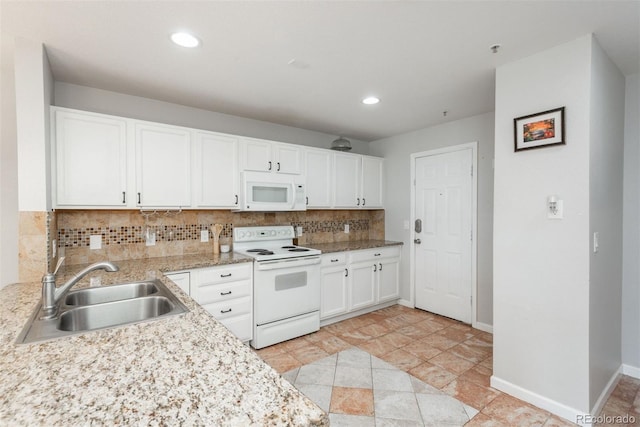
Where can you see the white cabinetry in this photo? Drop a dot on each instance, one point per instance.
(216, 173)
(358, 280)
(226, 293)
(163, 165)
(318, 167)
(182, 279)
(333, 284)
(357, 181)
(267, 156)
(90, 167)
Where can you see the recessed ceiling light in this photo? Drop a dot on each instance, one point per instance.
(370, 100)
(184, 39)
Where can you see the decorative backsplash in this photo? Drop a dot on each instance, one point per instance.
(178, 233)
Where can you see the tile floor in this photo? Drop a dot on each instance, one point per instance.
(442, 353)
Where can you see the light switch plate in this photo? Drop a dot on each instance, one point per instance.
(95, 241)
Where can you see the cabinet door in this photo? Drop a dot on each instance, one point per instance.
(91, 160)
(255, 155)
(346, 179)
(371, 182)
(163, 172)
(388, 279)
(362, 285)
(287, 158)
(333, 291)
(182, 279)
(318, 165)
(216, 170)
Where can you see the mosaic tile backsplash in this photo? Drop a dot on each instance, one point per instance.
(123, 232)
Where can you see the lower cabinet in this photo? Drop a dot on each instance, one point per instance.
(356, 280)
(226, 292)
(182, 279)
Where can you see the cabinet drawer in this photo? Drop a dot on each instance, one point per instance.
(368, 254)
(240, 326)
(228, 273)
(335, 258)
(226, 309)
(208, 294)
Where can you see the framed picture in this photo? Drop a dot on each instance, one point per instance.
(539, 130)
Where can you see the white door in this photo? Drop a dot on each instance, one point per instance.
(388, 279)
(333, 291)
(346, 181)
(288, 159)
(318, 172)
(443, 246)
(255, 155)
(371, 182)
(362, 280)
(216, 170)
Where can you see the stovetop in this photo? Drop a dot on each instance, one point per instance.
(268, 243)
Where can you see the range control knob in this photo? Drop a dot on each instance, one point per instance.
(273, 233)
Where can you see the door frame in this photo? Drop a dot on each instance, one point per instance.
(474, 221)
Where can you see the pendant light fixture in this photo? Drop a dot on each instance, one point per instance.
(341, 144)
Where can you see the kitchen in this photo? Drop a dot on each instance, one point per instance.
(81, 97)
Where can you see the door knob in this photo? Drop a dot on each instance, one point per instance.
(417, 241)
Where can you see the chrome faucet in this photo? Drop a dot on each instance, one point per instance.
(51, 295)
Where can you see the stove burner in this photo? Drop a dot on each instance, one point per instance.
(298, 250)
(288, 247)
(257, 250)
(265, 253)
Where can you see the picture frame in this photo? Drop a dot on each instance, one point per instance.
(539, 130)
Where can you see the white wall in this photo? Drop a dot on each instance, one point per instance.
(34, 94)
(102, 101)
(606, 142)
(541, 266)
(631, 227)
(8, 167)
(397, 150)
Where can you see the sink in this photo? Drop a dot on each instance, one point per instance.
(103, 307)
(102, 294)
(117, 313)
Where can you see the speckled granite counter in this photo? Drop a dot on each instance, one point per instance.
(352, 245)
(181, 370)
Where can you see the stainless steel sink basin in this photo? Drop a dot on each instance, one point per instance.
(110, 314)
(102, 294)
(103, 307)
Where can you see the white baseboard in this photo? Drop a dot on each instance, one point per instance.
(483, 327)
(545, 403)
(632, 371)
(608, 389)
(406, 303)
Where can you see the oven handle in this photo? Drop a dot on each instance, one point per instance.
(287, 263)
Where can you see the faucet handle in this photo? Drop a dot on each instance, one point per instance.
(58, 265)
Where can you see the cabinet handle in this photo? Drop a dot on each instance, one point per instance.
(225, 275)
(375, 268)
(334, 260)
(380, 267)
(225, 293)
(363, 201)
(278, 167)
(346, 272)
(376, 254)
(358, 201)
(139, 202)
(225, 311)
(307, 199)
(236, 199)
(269, 165)
(124, 197)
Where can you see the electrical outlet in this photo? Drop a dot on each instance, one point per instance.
(204, 235)
(299, 230)
(95, 241)
(54, 248)
(346, 228)
(150, 238)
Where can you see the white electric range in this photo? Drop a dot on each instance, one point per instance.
(286, 283)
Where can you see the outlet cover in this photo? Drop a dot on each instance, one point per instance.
(95, 241)
(346, 228)
(204, 235)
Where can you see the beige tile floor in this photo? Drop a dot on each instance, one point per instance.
(442, 353)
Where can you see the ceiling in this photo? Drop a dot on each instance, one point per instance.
(419, 58)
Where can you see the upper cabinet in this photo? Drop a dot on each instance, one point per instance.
(90, 167)
(357, 181)
(215, 167)
(163, 166)
(318, 167)
(267, 156)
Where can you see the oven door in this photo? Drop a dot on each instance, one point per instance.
(286, 288)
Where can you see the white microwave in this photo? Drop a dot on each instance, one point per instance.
(269, 192)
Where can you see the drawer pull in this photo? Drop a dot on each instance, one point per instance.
(335, 260)
(229, 292)
(375, 268)
(346, 272)
(225, 311)
(380, 266)
(376, 254)
(225, 275)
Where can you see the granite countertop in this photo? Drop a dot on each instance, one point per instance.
(352, 245)
(186, 369)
